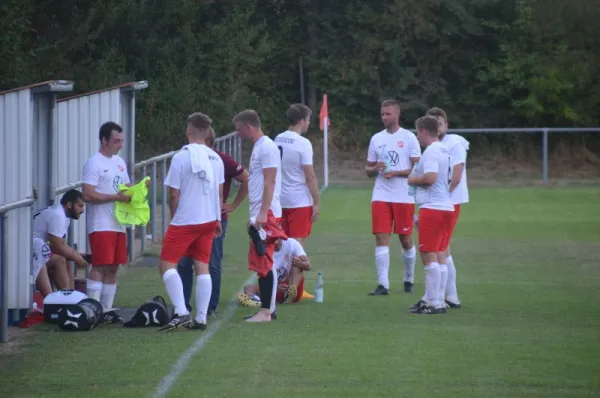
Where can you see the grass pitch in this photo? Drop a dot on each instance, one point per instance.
(527, 264)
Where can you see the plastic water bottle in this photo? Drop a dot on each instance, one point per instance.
(319, 288)
(412, 189)
(386, 159)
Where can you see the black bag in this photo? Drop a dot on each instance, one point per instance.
(153, 312)
(83, 316)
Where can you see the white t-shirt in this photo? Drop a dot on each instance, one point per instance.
(282, 259)
(105, 174)
(51, 221)
(437, 195)
(265, 154)
(458, 147)
(398, 148)
(295, 151)
(198, 199)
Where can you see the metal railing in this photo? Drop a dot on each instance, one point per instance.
(545, 132)
(4, 210)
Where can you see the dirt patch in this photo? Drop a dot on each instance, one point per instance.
(17, 337)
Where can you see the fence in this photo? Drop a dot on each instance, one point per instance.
(545, 134)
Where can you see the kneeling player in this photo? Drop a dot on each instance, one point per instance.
(290, 261)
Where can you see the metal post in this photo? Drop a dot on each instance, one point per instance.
(163, 197)
(545, 156)
(239, 144)
(71, 243)
(143, 231)
(153, 203)
(301, 68)
(4, 284)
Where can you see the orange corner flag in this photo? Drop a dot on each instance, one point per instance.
(324, 113)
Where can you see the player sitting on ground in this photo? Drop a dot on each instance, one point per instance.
(290, 261)
(50, 227)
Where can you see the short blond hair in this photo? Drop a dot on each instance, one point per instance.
(248, 116)
(199, 122)
(437, 112)
(429, 124)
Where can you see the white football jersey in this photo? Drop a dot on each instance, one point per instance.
(457, 147)
(397, 148)
(296, 151)
(282, 259)
(265, 154)
(436, 196)
(51, 221)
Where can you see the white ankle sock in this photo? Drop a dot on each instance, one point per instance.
(174, 288)
(203, 292)
(409, 258)
(382, 261)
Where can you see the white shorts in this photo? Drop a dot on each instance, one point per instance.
(41, 255)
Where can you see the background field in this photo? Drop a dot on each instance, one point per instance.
(528, 273)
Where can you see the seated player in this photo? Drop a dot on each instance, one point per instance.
(50, 227)
(290, 261)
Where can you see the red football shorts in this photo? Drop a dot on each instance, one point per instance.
(263, 264)
(108, 248)
(282, 288)
(450, 231)
(433, 226)
(193, 241)
(297, 222)
(386, 214)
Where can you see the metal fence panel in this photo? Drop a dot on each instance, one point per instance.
(78, 123)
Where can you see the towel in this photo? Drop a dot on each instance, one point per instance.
(200, 162)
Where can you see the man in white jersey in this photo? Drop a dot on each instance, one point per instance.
(432, 180)
(102, 175)
(290, 261)
(50, 227)
(392, 154)
(195, 183)
(264, 186)
(299, 185)
(459, 193)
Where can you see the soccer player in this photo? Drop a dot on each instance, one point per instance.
(265, 209)
(232, 171)
(102, 175)
(195, 183)
(392, 154)
(290, 261)
(299, 185)
(50, 227)
(432, 180)
(459, 193)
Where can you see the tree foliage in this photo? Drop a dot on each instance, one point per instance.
(487, 62)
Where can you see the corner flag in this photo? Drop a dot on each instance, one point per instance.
(324, 113)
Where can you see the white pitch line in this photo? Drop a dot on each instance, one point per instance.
(182, 363)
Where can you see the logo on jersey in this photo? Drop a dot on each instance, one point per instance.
(281, 274)
(116, 182)
(46, 252)
(394, 157)
(400, 144)
(121, 169)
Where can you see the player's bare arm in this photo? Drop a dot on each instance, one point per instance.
(90, 195)
(313, 188)
(457, 171)
(173, 200)
(424, 180)
(60, 248)
(269, 175)
(242, 192)
(301, 262)
(373, 168)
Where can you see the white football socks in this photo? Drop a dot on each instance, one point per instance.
(432, 284)
(443, 280)
(451, 293)
(203, 292)
(409, 257)
(174, 288)
(107, 296)
(94, 289)
(382, 262)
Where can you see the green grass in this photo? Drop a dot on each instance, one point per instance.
(528, 273)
